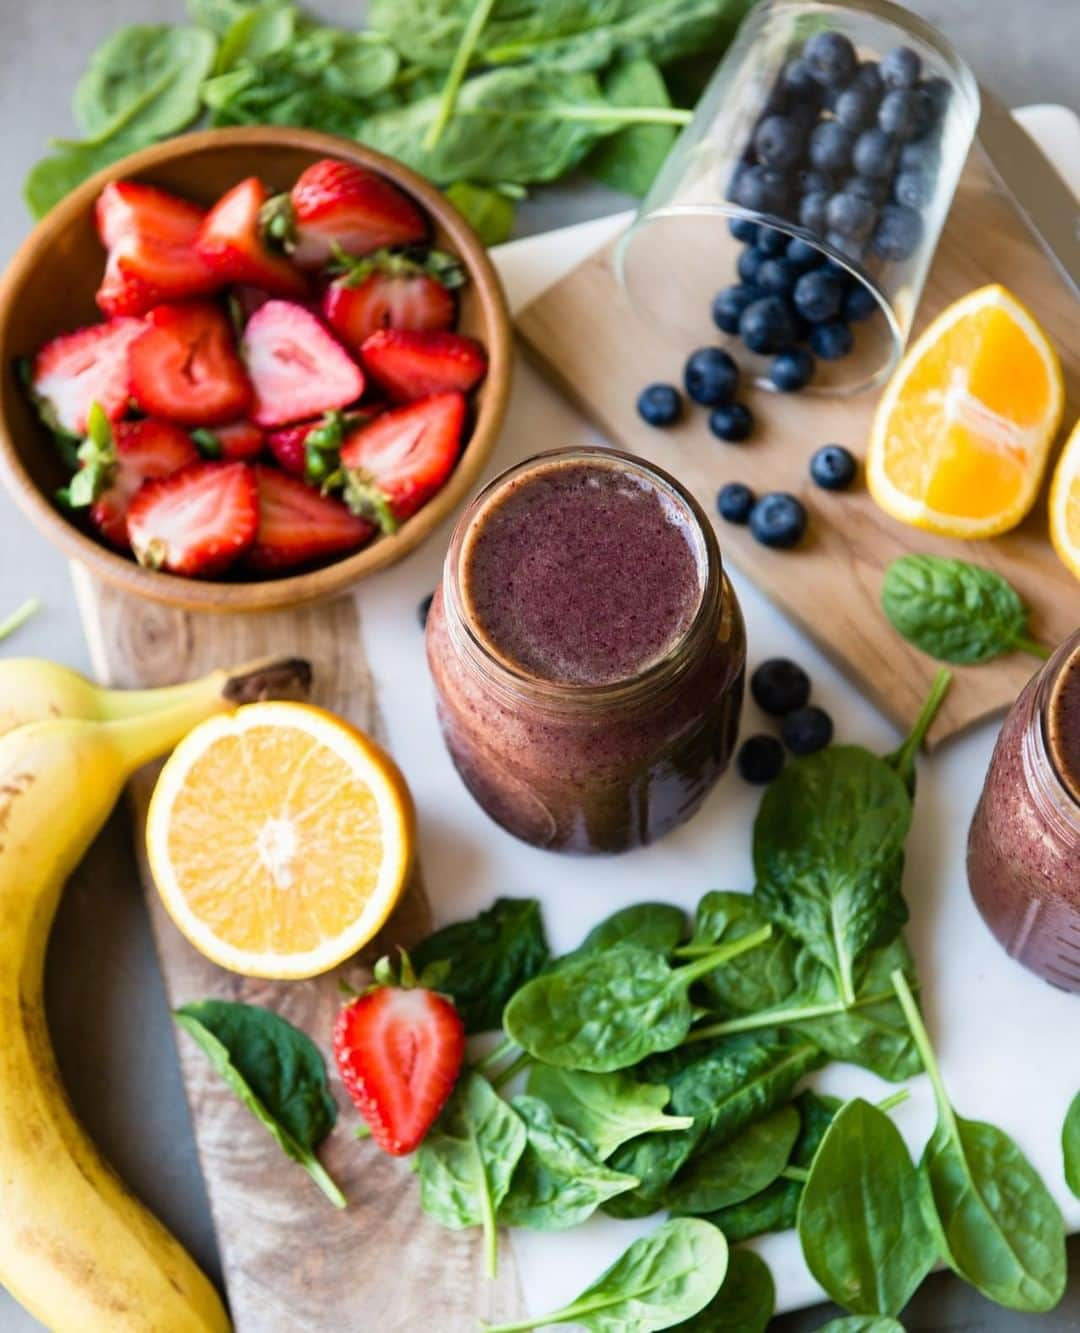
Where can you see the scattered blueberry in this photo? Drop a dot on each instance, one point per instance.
(659, 404)
(711, 376)
(777, 276)
(768, 325)
(812, 210)
(818, 294)
(850, 247)
(904, 113)
(780, 686)
(830, 146)
(748, 264)
(734, 502)
(874, 190)
(804, 255)
(728, 305)
(860, 302)
(423, 608)
(831, 341)
(833, 467)
(850, 216)
(763, 190)
(913, 189)
(760, 760)
(779, 141)
(743, 230)
(732, 422)
(797, 80)
(868, 76)
(855, 108)
(830, 57)
(874, 154)
(770, 241)
(900, 67)
(792, 370)
(807, 730)
(898, 233)
(778, 520)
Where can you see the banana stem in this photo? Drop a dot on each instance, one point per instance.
(265, 678)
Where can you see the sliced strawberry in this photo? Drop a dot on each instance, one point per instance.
(231, 242)
(412, 365)
(236, 441)
(142, 272)
(287, 446)
(337, 203)
(127, 208)
(195, 521)
(184, 366)
(399, 1050)
(84, 367)
(297, 368)
(388, 290)
(298, 525)
(397, 462)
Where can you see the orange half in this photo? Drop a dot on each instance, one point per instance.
(963, 431)
(280, 839)
(1065, 504)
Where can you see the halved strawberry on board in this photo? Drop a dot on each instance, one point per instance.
(397, 462)
(298, 525)
(77, 369)
(399, 1049)
(196, 521)
(231, 241)
(410, 365)
(184, 366)
(391, 290)
(298, 369)
(340, 204)
(235, 441)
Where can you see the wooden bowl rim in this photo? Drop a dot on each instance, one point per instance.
(193, 594)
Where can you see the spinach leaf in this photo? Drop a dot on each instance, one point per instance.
(955, 611)
(630, 160)
(610, 1010)
(604, 1109)
(256, 33)
(862, 1323)
(902, 759)
(275, 1070)
(1070, 1145)
(490, 956)
(467, 1161)
(488, 211)
(218, 15)
(828, 856)
(559, 1181)
(860, 1218)
(994, 1221)
(55, 176)
(661, 1278)
(149, 73)
(735, 1169)
(655, 926)
(744, 1304)
(757, 980)
(776, 1207)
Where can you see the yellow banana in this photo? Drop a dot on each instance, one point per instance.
(76, 1248)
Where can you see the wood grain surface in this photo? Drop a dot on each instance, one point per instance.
(291, 1260)
(586, 335)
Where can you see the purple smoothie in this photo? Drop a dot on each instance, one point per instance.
(587, 652)
(1024, 844)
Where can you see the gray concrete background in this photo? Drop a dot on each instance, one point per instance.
(106, 1004)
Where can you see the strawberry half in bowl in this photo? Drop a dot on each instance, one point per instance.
(244, 368)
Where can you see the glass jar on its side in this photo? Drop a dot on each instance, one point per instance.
(579, 766)
(1024, 845)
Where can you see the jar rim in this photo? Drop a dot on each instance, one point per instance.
(1044, 749)
(517, 680)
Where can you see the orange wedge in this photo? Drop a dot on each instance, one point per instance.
(280, 839)
(963, 431)
(1065, 504)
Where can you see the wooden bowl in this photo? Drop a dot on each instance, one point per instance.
(49, 289)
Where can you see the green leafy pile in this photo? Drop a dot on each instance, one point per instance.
(484, 97)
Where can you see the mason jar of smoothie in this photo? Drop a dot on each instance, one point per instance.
(588, 652)
(1024, 846)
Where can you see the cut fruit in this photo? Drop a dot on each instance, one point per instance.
(962, 434)
(1065, 504)
(280, 839)
(297, 368)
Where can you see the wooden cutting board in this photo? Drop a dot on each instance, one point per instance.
(587, 336)
(291, 1260)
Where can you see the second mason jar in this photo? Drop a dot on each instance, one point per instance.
(588, 652)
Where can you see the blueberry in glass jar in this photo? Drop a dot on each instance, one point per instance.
(768, 325)
(900, 67)
(743, 230)
(937, 91)
(856, 108)
(777, 276)
(833, 467)
(734, 502)
(874, 154)
(748, 263)
(799, 83)
(770, 241)
(659, 404)
(779, 142)
(850, 215)
(710, 376)
(731, 422)
(831, 146)
(728, 305)
(873, 189)
(898, 233)
(831, 341)
(913, 189)
(803, 255)
(850, 247)
(812, 181)
(763, 190)
(859, 303)
(792, 370)
(868, 76)
(819, 294)
(778, 520)
(830, 58)
(812, 211)
(904, 113)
